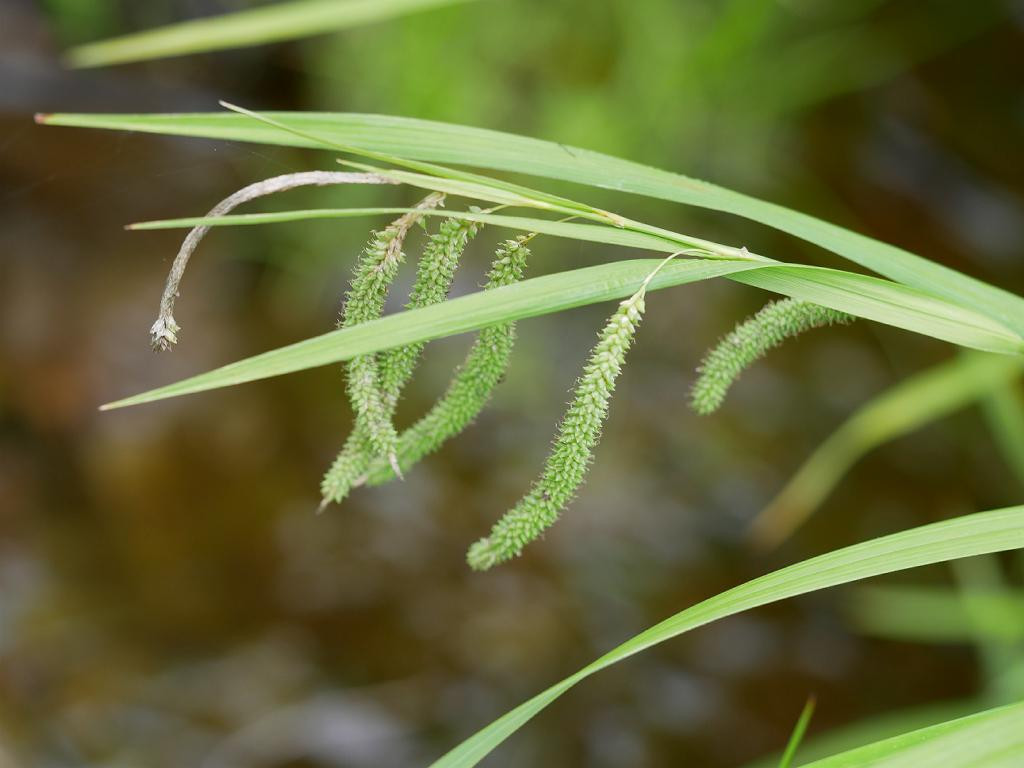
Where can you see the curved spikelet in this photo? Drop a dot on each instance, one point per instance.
(573, 449)
(474, 381)
(433, 281)
(751, 339)
(374, 273)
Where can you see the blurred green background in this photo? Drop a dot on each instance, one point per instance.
(168, 596)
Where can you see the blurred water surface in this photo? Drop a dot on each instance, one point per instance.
(169, 596)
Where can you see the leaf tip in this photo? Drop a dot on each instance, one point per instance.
(116, 405)
(74, 60)
(235, 108)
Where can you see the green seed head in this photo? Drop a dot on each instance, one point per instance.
(474, 381)
(344, 473)
(375, 271)
(578, 434)
(751, 339)
(434, 276)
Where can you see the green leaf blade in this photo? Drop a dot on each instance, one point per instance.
(899, 410)
(255, 26)
(445, 143)
(786, 761)
(967, 536)
(990, 739)
(887, 302)
(568, 229)
(529, 298)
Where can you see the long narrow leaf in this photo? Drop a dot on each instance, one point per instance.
(911, 404)
(281, 21)
(976, 534)
(990, 739)
(529, 298)
(858, 294)
(797, 737)
(937, 614)
(878, 727)
(1004, 412)
(440, 178)
(441, 142)
(573, 230)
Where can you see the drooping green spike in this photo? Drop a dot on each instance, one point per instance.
(751, 340)
(474, 381)
(573, 449)
(434, 277)
(374, 273)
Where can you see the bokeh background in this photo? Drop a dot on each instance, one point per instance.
(168, 596)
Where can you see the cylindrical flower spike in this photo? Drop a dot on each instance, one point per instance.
(751, 339)
(434, 277)
(474, 381)
(573, 449)
(374, 272)
(433, 281)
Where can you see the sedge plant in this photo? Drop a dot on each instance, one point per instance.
(906, 291)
